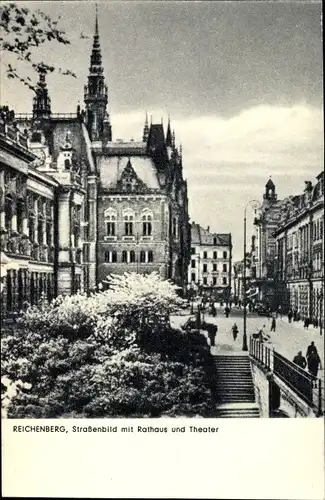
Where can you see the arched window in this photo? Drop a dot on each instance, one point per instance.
(8, 213)
(20, 215)
(111, 256)
(142, 256)
(147, 223)
(110, 220)
(132, 256)
(67, 164)
(150, 256)
(124, 256)
(128, 216)
(174, 227)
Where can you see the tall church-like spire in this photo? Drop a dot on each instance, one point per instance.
(96, 94)
(146, 129)
(169, 139)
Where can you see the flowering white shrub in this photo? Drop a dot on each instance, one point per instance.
(112, 353)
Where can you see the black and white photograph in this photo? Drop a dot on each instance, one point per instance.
(162, 238)
(162, 200)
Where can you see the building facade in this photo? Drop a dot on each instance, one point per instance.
(262, 255)
(299, 252)
(210, 270)
(114, 206)
(28, 220)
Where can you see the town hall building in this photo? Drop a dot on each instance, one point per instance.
(87, 205)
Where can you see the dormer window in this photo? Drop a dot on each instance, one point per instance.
(129, 184)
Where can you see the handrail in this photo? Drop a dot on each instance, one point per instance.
(294, 376)
(307, 387)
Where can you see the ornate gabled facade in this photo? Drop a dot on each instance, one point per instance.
(211, 262)
(118, 206)
(299, 252)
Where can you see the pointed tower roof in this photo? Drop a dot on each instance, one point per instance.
(146, 129)
(270, 184)
(169, 140)
(96, 55)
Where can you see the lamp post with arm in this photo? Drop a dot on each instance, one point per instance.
(256, 204)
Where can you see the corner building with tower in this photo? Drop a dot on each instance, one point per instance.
(115, 206)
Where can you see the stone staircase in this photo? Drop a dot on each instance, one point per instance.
(238, 410)
(235, 386)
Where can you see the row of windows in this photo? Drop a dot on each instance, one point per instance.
(318, 228)
(205, 267)
(206, 255)
(129, 256)
(205, 280)
(129, 228)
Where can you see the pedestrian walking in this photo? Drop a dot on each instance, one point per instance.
(306, 323)
(300, 360)
(273, 325)
(280, 311)
(235, 331)
(289, 316)
(227, 311)
(313, 359)
(212, 333)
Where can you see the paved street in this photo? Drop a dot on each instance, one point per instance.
(288, 339)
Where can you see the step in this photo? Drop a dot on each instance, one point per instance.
(236, 398)
(235, 390)
(242, 385)
(224, 398)
(253, 411)
(238, 415)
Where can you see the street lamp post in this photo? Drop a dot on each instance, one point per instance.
(245, 347)
(321, 298)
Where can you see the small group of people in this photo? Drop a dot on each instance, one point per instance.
(312, 360)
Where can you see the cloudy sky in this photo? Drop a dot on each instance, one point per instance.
(242, 82)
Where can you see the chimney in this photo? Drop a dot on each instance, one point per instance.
(208, 228)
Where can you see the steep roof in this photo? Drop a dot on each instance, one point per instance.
(201, 236)
(270, 184)
(156, 135)
(112, 167)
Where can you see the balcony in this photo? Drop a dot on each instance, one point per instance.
(13, 134)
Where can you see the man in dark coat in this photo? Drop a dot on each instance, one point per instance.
(212, 333)
(313, 359)
(300, 360)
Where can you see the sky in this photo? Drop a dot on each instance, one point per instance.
(242, 82)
